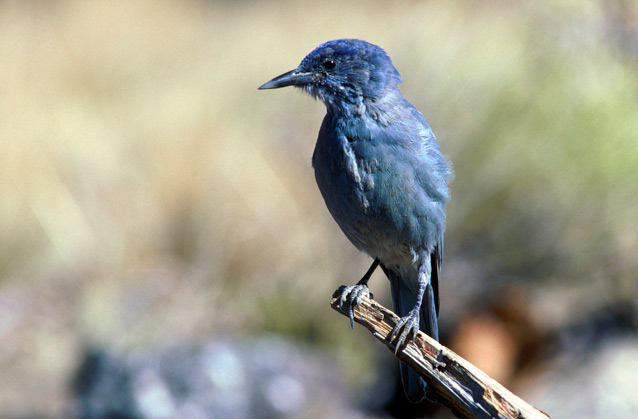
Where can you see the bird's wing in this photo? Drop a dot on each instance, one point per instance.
(433, 175)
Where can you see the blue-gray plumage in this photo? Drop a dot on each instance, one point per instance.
(383, 178)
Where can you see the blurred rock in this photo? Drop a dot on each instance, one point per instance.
(259, 378)
(593, 371)
(601, 385)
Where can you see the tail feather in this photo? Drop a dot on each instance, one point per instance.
(403, 300)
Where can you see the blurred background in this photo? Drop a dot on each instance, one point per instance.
(164, 250)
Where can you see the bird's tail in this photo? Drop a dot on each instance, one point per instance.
(403, 300)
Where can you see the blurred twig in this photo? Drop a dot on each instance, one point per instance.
(456, 383)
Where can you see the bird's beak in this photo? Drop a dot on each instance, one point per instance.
(291, 78)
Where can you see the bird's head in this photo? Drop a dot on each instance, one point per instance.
(342, 71)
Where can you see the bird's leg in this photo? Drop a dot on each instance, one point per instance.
(354, 293)
(409, 325)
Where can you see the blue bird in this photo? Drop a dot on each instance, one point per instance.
(383, 178)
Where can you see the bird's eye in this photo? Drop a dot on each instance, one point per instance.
(328, 64)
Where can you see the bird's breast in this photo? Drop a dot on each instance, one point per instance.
(343, 176)
(348, 174)
(376, 187)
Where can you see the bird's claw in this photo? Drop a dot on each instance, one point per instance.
(353, 295)
(408, 325)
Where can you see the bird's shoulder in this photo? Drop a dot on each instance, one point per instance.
(391, 135)
(402, 146)
(394, 128)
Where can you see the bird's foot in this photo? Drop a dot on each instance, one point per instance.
(408, 325)
(353, 295)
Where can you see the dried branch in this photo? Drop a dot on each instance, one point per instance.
(456, 383)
